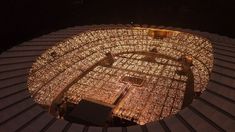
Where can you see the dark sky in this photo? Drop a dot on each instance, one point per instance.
(26, 19)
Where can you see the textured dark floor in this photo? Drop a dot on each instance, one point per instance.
(213, 111)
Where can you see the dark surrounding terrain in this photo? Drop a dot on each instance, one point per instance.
(23, 20)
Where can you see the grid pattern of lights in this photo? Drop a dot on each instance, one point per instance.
(72, 68)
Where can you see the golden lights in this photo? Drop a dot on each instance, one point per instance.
(144, 66)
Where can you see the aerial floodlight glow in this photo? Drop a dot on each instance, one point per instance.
(137, 74)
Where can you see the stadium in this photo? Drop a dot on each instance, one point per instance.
(119, 77)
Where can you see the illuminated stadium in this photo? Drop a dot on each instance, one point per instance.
(142, 74)
(121, 78)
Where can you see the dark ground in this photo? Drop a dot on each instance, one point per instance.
(23, 20)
